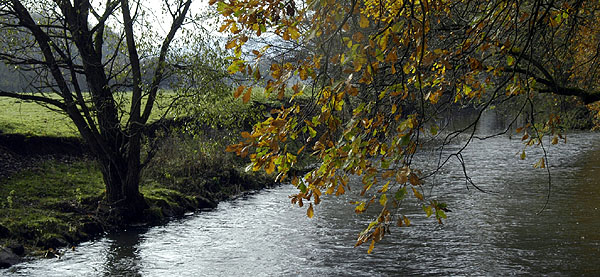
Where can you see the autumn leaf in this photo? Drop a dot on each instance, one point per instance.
(364, 22)
(247, 95)
(270, 167)
(378, 76)
(414, 179)
(360, 208)
(417, 194)
(239, 91)
(371, 247)
(310, 212)
(383, 200)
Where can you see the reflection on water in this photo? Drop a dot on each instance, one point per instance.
(496, 233)
(122, 255)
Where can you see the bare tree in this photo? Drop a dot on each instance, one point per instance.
(81, 45)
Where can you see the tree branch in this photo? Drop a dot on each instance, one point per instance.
(29, 97)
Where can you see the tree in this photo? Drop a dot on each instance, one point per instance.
(382, 74)
(103, 48)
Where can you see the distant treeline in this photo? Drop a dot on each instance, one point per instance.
(12, 80)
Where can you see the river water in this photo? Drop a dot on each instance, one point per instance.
(495, 233)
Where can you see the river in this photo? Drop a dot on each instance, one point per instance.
(495, 233)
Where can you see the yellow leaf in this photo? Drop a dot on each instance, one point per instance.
(385, 187)
(270, 167)
(418, 195)
(555, 140)
(383, 199)
(406, 221)
(294, 33)
(310, 212)
(371, 247)
(360, 208)
(364, 21)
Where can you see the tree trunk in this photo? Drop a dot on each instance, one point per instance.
(121, 172)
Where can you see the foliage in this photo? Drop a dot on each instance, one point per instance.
(384, 75)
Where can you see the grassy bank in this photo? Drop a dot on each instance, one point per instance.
(52, 199)
(54, 202)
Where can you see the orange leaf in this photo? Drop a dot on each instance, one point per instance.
(340, 190)
(371, 247)
(232, 43)
(414, 180)
(239, 91)
(246, 135)
(310, 212)
(247, 95)
(278, 122)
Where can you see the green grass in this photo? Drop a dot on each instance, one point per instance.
(53, 182)
(29, 118)
(20, 117)
(37, 205)
(56, 200)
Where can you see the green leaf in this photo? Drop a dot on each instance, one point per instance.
(405, 140)
(440, 214)
(400, 194)
(434, 129)
(312, 132)
(302, 188)
(385, 164)
(510, 60)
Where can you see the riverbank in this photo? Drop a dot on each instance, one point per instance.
(49, 199)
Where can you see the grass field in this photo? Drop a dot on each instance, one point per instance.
(29, 118)
(20, 117)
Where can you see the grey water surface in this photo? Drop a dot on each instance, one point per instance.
(499, 232)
